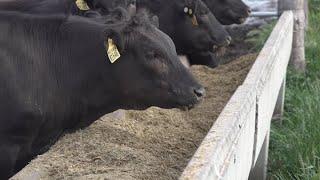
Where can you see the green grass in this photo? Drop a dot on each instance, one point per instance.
(295, 145)
(258, 37)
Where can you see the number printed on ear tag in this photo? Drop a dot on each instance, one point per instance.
(113, 52)
(82, 5)
(194, 20)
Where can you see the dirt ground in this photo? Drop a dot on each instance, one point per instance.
(151, 144)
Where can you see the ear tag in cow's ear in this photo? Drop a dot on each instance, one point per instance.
(194, 20)
(190, 12)
(113, 52)
(82, 5)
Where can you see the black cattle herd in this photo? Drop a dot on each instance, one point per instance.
(65, 63)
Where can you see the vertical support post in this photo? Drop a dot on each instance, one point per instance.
(259, 171)
(306, 13)
(278, 111)
(298, 52)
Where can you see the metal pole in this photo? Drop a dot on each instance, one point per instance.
(264, 14)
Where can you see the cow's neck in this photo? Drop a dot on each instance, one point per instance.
(71, 56)
(89, 59)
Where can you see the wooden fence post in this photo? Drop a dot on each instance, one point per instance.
(279, 109)
(306, 13)
(298, 51)
(259, 172)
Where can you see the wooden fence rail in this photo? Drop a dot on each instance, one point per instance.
(236, 147)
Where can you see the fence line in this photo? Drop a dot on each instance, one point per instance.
(237, 144)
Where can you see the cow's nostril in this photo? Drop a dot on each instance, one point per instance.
(200, 92)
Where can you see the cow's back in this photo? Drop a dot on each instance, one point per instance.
(38, 6)
(42, 66)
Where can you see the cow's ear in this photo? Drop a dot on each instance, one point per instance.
(132, 7)
(116, 37)
(113, 44)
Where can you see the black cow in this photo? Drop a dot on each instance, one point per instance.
(46, 7)
(191, 25)
(88, 8)
(55, 75)
(96, 9)
(194, 40)
(229, 11)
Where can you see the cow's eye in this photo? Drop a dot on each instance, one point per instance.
(152, 55)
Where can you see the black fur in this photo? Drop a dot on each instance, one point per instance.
(55, 76)
(229, 11)
(190, 40)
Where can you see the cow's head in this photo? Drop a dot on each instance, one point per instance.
(229, 11)
(189, 23)
(148, 73)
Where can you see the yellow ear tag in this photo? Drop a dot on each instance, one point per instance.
(194, 20)
(82, 5)
(190, 12)
(113, 52)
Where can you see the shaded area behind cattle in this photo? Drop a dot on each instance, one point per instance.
(246, 38)
(151, 144)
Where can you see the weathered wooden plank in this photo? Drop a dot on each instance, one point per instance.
(227, 150)
(259, 171)
(279, 109)
(268, 73)
(226, 153)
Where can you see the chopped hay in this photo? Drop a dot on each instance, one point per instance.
(150, 144)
